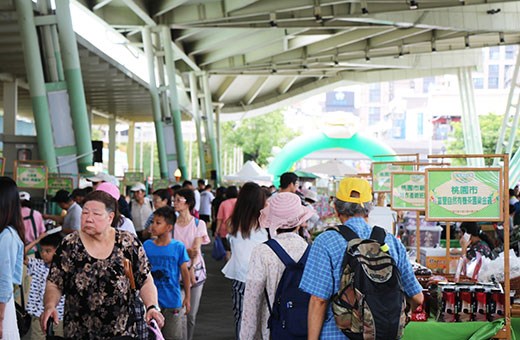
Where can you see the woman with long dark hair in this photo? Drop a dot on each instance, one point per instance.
(245, 234)
(11, 261)
(192, 233)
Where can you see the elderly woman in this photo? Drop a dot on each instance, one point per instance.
(11, 258)
(478, 242)
(284, 215)
(89, 268)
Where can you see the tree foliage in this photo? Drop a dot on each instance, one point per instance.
(257, 136)
(490, 125)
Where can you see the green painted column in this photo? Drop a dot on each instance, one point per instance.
(166, 40)
(130, 146)
(72, 72)
(194, 93)
(156, 104)
(211, 126)
(34, 69)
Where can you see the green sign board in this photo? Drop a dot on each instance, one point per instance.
(160, 183)
(31, 176)
(408, 190)
(2, 165)
(55, 183)
(464, 194)
(131, 178)
(381, 174)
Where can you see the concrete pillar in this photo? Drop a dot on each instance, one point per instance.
(211, 127)
(72, 72)
(112, 145)
(156, 104)
(196, 117)
(171, 73)
(36, 81)
(130, 147)
(10, 107)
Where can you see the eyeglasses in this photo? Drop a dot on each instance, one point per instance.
(180, 199)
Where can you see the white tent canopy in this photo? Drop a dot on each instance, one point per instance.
(333, 168)
(250, 172)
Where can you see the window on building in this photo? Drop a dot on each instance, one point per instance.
(426, 84)
(493, 77)
(508, 74)
(420, 123)
(510, 51)
(494, 53)
(374, 94)
(478, 83)
(374, 115)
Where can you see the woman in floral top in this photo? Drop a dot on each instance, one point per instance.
(88, 268)
(477, 243)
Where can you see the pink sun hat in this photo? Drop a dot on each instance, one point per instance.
(110, 189)
(284, 211)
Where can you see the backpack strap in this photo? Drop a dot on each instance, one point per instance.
(33, 223)
(378, 234)
(280, 252)
(347, 233)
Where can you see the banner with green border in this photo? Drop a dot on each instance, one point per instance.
(407, 190)
(464, 194)
(55, 183)
(130, 178)
(160, 183)
(32, 176)
(381, 174)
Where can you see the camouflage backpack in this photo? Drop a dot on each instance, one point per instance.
(370, 302)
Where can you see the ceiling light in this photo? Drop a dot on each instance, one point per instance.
(414, 4)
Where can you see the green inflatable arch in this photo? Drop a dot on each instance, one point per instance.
(304, 145)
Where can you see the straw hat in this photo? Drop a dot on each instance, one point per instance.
(284, 211)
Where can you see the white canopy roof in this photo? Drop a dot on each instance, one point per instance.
(250, 172)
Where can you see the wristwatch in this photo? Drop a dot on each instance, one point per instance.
(153, 307)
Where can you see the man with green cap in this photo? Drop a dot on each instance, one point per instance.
(322, 274)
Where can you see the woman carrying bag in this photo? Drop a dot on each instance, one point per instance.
(11, 260)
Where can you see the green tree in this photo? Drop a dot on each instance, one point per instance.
(257, 136)
(490, 125)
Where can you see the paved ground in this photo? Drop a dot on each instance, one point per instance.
(215, 319)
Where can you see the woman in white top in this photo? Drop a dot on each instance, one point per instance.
(284, 215)
(192, 233)
(244, 234)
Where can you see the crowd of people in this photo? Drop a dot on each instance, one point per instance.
(108, 274)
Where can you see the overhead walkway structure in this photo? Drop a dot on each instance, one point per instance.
(229, 60)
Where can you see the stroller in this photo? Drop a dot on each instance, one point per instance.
(153, 334)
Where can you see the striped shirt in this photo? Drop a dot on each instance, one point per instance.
(321, 276)
(38, 271)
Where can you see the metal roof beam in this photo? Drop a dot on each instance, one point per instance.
(255, 90)
(223, 89)
(242, 46)
(286, 85)
(165, 6)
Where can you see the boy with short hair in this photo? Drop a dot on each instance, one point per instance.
(168, 257)
(38, 269)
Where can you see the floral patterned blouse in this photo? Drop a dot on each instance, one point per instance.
(98, 295)
(265, 271)
(481, 247)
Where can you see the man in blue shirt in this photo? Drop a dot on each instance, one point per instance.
(321, 277)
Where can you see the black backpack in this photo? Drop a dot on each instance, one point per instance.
(288, 315)
(370, 302)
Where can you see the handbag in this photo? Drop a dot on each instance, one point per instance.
(218, 253)
(23, 319)
(137, 313)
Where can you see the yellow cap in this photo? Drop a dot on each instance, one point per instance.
(350, 184)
